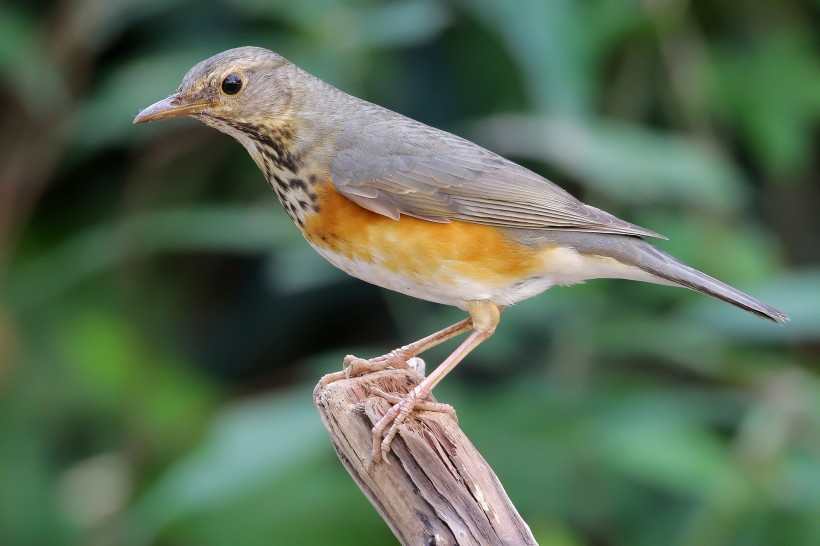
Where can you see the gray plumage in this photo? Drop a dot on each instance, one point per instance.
(395, 166)
(437, 176)
(644, 256)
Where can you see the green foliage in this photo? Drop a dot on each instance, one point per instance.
(162, 323)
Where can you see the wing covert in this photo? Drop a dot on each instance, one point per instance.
(437, 176)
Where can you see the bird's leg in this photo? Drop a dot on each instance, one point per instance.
(484, 316)
(354, 367)
(398, 357)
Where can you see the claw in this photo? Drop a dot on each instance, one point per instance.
(359, 366)
(415, 400)
(483, 319)
(327, 379)
(354, 366)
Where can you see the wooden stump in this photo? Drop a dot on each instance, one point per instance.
(438, 490)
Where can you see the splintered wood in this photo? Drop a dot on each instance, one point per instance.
(437, 489)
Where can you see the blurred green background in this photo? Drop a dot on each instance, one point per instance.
(162, 323)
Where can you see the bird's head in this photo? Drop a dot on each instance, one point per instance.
(246, 85)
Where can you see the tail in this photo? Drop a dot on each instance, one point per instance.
(651, 264)
(660, 264)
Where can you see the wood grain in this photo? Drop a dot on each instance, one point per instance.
(437, 489)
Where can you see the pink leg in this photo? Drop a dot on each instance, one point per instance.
(401, 355)
(484, 316)
(397, 358)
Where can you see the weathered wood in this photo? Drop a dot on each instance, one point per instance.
(438, 490)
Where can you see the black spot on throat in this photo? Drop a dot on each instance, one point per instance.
(298, 183)
(270, 142)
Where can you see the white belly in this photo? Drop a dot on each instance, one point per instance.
(561, 266)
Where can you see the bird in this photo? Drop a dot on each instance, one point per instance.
(417, 210)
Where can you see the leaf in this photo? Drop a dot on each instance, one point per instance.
(403, 23)
(548, 42)
(772, 91)
(24, 62)
(251, 444)
(397, 23)
(669, 454)
(234, 229)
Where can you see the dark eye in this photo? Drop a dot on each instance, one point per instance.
(232, 84)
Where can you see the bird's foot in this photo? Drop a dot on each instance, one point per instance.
(354, 366)
(415, 400)
(397, 359)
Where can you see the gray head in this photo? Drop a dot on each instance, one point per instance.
(246, 85)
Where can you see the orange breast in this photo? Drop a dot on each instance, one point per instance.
(422, 251)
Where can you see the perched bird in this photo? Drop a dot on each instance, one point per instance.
(417, 210)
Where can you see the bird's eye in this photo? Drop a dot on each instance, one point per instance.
(232, 84)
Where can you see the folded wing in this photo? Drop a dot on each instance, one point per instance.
(437, 176)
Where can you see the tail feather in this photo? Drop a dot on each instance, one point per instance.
(661, 264)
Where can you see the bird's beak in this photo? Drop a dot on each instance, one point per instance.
(173, 107)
